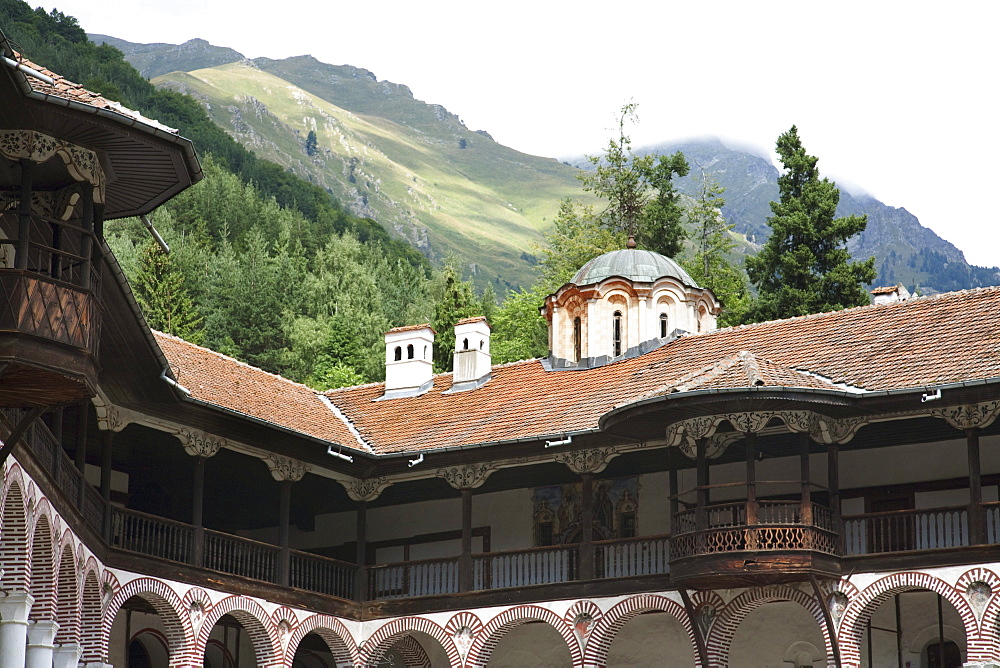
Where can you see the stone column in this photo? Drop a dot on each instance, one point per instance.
(40, 645)
(14, 610)
(66, 656)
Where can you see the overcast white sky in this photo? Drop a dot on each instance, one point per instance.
(898, 99)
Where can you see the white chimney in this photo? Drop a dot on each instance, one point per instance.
(472, 354)
(409, 359)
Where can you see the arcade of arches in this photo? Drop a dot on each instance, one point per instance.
(62, 607)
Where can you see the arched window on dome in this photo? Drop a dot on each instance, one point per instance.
(663, 325)
(617, 335)
(577, 340)
(409, 351)
(398, 354)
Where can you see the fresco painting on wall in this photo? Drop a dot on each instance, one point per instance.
(558, 510)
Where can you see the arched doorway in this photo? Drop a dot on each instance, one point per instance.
(229, 645)
(781, 633)
(914, 626)
(138, 636)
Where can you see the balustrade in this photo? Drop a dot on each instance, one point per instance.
(629, 557)
(321, 574)
(521, 568)
(150, 535)
(905, 530)
(413, 578)
(241, 556)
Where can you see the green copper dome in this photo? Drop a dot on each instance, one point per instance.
(638, 266)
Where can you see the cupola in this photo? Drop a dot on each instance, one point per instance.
(472, 361)
(622, 304)
(409, 359)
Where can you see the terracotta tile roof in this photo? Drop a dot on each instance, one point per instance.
(928, 341)
(469, 321)
(884, 290)
(411, 328)
(68, 90)
(223, 381)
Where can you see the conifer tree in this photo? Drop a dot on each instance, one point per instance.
(455, 300)
(639, 190)
(163, 297)
(804, 265)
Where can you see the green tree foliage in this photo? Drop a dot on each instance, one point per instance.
(454, 300)
(713, 245)
(60, 44)
(519, 330)
(578, 235)
(639, 190)
(803, 268)
(311, 143)
(165, 300)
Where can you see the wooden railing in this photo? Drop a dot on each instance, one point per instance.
(241, 556)
(321, 574)
(150, 535)
(522, 568)
(629, 557)
(413, 578)
(991, 511)
(48, 452)
(779, 526)
(49, 309)
(906, 530)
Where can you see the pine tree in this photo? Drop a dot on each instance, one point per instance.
(713, 241)
(163, 297)
(639, 190)
(803, 268)
(455, 300)
(311, 143)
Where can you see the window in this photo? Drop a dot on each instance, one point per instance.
(409, 351)
(663, 325)
(399, 353)
(616, 333)
(465, 344)
(577, 340)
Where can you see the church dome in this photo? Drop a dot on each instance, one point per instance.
(638, 266)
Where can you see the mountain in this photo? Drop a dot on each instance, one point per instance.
(455, 193)
(905, 251)
(412, 166)
(152, 60)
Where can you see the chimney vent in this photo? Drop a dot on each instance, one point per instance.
(472, 361)
(409, 355)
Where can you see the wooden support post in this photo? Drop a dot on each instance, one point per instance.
(57, 432)
(465, 579)
(361, 581)
(81, 449)
(827, 619)
(55, 260)
(833, 485)
(674, 491)
(107, 441)
(899, 635)
(197, 512)
(587, 533)
(977, 521)
(284, 513)
(24, 216)
(87, 241)
(701, 483)
(751, 441)
(806, 509)
(699, 637)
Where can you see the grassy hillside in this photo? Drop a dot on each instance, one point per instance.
(413, 167)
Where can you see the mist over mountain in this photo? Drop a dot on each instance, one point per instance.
(454, 193)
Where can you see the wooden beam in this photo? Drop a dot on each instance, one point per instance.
(830, 628)
(699, 639)
(18, 431)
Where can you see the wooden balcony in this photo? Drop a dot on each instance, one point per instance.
(49, 336)
(750, 544)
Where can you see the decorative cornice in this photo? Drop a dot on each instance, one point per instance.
(367, 489)
(471, 476)
(594, 460)
(285, 468)
(716, 445)
(969, 416)
(199, 444)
